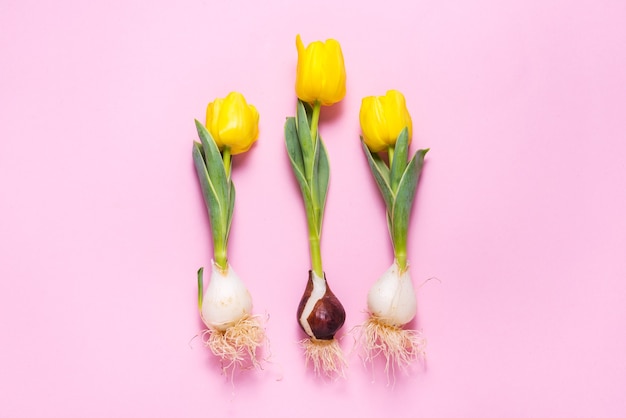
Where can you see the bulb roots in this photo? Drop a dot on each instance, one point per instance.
(237, 345)
(326, 356)
(398, 346)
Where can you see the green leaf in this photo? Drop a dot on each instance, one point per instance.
(381, 174)
(214, 162)
(200, 288)
(383, 169)
(323, 172)
(400, 158)
(309, 111)
(231, 207)
(306, 142)
(295, 157)
(320, 181)
(404, 200)
(293, 144)
(211, 197)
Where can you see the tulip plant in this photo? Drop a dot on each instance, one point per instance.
(320, 81)
(387, 127)
(232, 334)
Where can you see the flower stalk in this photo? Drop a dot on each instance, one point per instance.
(397, 184)
(309, 162)
(386, 126)
(218, 191)
(315, 119)
(320, 81)
(232, 334)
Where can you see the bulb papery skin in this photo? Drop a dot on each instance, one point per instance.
(226, 299)
(320, 314)
(392, 298)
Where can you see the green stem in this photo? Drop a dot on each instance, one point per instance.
(219, 255)
(313, 222)
(315, 118)
(401, 258)
(316, 253)
(399, 241)
(313, 211)
(390, 151)
(227, 157)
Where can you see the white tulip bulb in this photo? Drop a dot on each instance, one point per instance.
(226, 299)
(392, 298)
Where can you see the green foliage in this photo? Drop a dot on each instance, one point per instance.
(217, 189)
(200, 288)
(397, 185)
(309, 161)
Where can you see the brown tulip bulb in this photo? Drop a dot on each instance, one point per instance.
(320, 314)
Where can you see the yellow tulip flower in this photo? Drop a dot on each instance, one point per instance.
(320, 74)
(233, 123)
(383, 118)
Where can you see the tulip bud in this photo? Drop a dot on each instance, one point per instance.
(383, 118)
(233, 123)
(321, 74)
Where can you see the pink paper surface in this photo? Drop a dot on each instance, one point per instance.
(519, 216)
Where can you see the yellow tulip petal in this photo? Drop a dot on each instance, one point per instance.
(399, 108)
(383, 118)
(299, 45)
(320, 72)
(393, 104)
(233, 123)
(213, 110)
(369, 117)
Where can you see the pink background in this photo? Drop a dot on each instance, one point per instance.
(520, 213)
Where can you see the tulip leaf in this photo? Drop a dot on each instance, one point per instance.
(306, 142)
(381, 175)
(200, 288)
(231, 207)
(211, 197)
(400, 158)
(296, 158)
(382, 167)
(323, 172)
(320, 178)
(293, 144)
(407, 186)
(216, 188)
(309, 111)
(214, 162)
